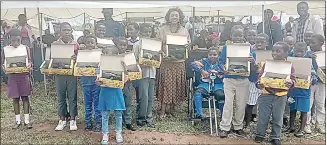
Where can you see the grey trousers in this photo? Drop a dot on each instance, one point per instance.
(270, 105)
(146, 95)
(128, 96)
(66, 86)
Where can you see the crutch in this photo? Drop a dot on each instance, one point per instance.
(211, 96)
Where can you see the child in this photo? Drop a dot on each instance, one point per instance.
(251, 35)
(300, 96)
(307, 37)
(272, 101)
(91, 91)
(19, 85)
(100, 30)
(121, 43)
(261, 43)
(290, 41)
(318, 89)
(132, 33)
(145, 85)
(206, 66)
(111, 99)
(234, 87)
(66, 85)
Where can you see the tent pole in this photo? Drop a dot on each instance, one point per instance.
(218, 16)
(42, 50)
(126, 17)
(193, 25)
(25, 13)
(84, 17)
(263, 18)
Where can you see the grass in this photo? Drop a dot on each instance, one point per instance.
(44, 118)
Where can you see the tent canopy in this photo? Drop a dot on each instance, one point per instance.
(69, 9)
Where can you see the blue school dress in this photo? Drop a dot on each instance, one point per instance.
(111, 99)
(301, 96)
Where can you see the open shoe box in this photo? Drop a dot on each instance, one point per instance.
(276, 73)
(104, 42)
(321, 62)
(262, 56)
(15, 55)
(112, 64)
(302, 68)
(133, 69)
(87, 58)
(237, 54)
(177, 44)
(153, 47)
(61, 53)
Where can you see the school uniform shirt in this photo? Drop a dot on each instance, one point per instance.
(147, 72)
(204, 64)
(131, 42)
(273, 91)
(222, 62)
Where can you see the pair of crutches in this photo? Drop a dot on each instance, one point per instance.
(211, 96)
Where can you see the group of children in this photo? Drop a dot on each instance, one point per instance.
(249, 92)
(246, 91)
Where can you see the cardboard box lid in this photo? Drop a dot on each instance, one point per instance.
(62, 50)
(321, 58)
(301, 65)
(151, 44)
(112, 62)
(176, 40)
(238, 50)
(130, 59)
(47, 53)
(89, 55)
(105, 41)
(11, 51)
(278, 67)
(263, 55)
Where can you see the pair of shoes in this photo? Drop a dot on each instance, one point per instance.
(276, 142)
(223, 134)
(62, 124)
(258, 139)
(240, 132)
(130, 127)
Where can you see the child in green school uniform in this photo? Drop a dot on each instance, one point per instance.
(66, 85)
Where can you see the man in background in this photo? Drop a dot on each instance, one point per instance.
(113, 28)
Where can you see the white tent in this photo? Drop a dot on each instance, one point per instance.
(69, 9)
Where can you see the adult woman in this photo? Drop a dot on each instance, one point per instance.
(172, 78)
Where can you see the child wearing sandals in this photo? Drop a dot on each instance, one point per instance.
(19, 85)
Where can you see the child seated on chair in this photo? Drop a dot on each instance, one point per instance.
(207, 67)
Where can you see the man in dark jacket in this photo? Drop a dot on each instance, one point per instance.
(272, 28)
(288, 26)
(113, 28)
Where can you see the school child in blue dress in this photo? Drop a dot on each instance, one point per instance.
(111, 99)
(300, 98)
(19, 84)
(206, 66)
(122, 43)
(91, 91)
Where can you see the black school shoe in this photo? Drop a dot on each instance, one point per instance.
(276, 142)
(130, 127)
(258, 139)
(140, 124)
(223, 134)
(240, 132)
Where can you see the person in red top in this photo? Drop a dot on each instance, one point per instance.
(66, 85)
(272, 101)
